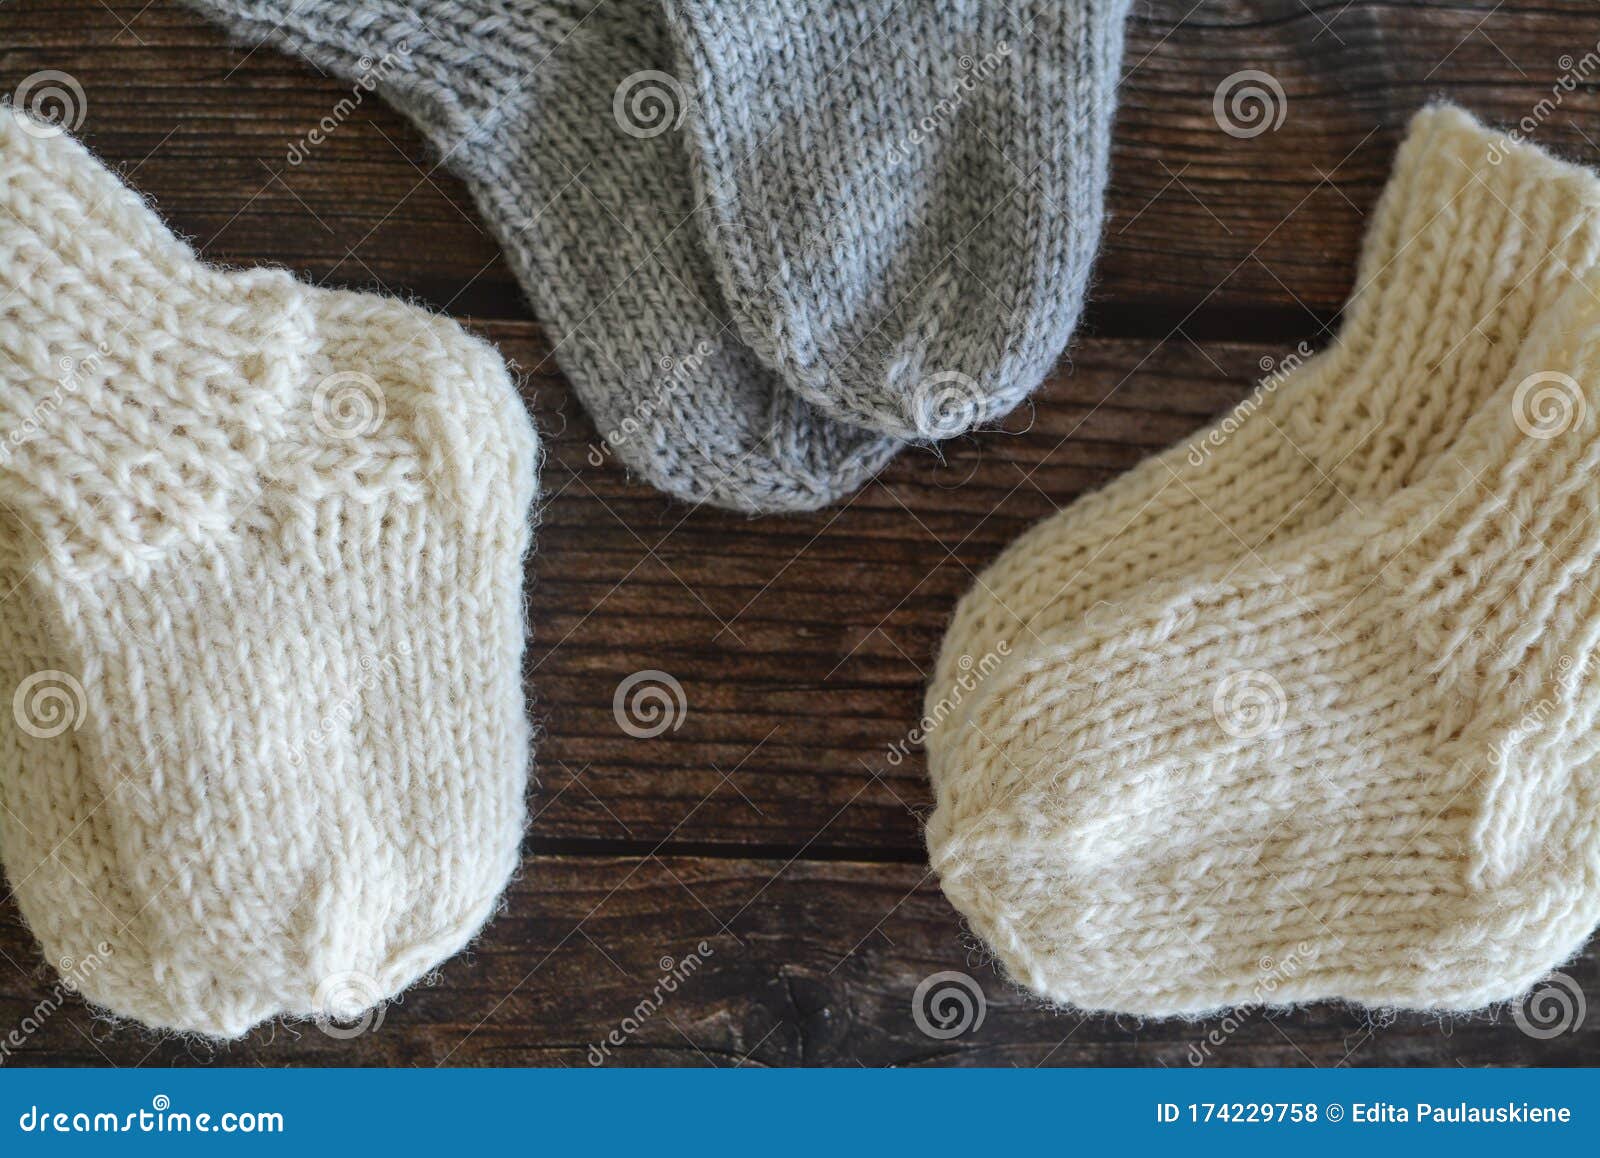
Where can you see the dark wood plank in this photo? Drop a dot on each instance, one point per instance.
(801, 643)
(802, 964)
(1259, 231)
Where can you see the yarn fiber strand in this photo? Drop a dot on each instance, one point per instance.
(902, 201)
(548, 112)
(263, 549)
(1471, 242)
(1351, 758)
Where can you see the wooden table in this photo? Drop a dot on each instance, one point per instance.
(772, 825)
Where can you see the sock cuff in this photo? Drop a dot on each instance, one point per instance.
(1471, 222)
(1475, 238)
(141, 390)
(1498, 575)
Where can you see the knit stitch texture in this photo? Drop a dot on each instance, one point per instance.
(1463, 253)
(769, 244)
(593, 207)
(262, 546)
(1333, 737)
(902, 201)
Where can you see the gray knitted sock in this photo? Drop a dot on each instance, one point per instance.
(903, 200)
(546, 110)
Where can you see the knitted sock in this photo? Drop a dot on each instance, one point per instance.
(905, 225)
(1471, 242)
(261, 556)
(558, 118)
(1362, 767)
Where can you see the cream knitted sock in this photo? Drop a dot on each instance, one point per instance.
(560, 118)
(905, 225)
(1471, 242)
(1364, 766)
(262, 629)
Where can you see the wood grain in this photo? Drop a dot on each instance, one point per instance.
(1263, 228)
(772, 823)
(803, 963)
(802, 643)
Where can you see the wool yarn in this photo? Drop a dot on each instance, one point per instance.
(760, 310)
(262, 551)
(549, 113)
(1472, 240)
(902, 201)
(1359, 761)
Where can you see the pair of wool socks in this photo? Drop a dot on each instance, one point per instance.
(261, 618)
(1305, 708)
(771, 242)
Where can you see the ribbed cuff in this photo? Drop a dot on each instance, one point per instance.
(139, 388)
(1472, 230)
